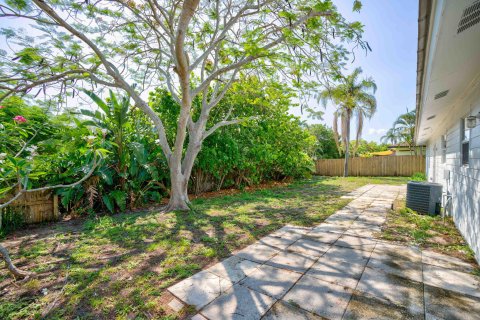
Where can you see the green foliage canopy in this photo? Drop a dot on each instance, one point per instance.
(270, 144)
(325, 147)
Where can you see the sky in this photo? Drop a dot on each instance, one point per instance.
(391, 30)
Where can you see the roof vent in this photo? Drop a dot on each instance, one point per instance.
(441, 94)
(470, 17)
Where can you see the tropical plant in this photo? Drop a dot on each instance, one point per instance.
(32, 139)
(354, 98)
(131, 176)
(112, 117)
(403, 131)
(196, 49)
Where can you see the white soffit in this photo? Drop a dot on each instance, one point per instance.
(452, 65)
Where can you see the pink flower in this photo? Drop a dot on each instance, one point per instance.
(1, 107)
(19, 119)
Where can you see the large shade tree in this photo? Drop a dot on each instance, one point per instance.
(353, 98)
(196, 49)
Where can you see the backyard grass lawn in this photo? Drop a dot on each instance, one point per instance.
(119, 266)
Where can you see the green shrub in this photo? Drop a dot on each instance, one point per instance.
(267, 144)
(418, 176)
(11, 219)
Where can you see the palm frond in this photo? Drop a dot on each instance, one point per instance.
(352, 96)
(99, 102)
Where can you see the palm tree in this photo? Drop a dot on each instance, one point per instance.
(390, 136)
(403, 131)
(354, 98)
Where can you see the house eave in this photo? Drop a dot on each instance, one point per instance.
(424, 12)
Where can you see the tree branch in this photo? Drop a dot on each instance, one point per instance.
(221, 124)
(17, 273)
(114, 73)
(248, 59)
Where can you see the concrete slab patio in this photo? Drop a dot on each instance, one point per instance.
(336, 270)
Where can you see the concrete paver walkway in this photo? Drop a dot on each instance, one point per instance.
(336, 270)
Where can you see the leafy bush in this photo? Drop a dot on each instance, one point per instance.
(418, 176)
(365, 148)
(325, 147)
(268, 144)
(10, 219)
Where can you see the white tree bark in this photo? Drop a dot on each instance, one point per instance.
(17, 273)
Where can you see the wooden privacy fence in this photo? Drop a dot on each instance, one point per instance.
(376, 166)
(34, 207)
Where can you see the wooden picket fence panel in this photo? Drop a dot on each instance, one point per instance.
(35, 207)
(403, 166)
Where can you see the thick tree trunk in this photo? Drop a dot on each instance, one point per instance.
(180, 171)
(17, 273)
(347, 145)
(178, 191)
(180, 175)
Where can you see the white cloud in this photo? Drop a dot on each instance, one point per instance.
(376, 132)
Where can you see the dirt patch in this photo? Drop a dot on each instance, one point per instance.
(233, 191)
(446, 304)
(427, 232)
(362, 306)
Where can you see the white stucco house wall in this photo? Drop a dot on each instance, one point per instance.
(448, 92)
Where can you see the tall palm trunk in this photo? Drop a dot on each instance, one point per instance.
(336, 135)
(347, 142)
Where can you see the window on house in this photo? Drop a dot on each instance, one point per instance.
(465, 140)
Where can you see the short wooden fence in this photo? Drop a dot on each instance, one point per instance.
(35, 207)
(375, 166)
